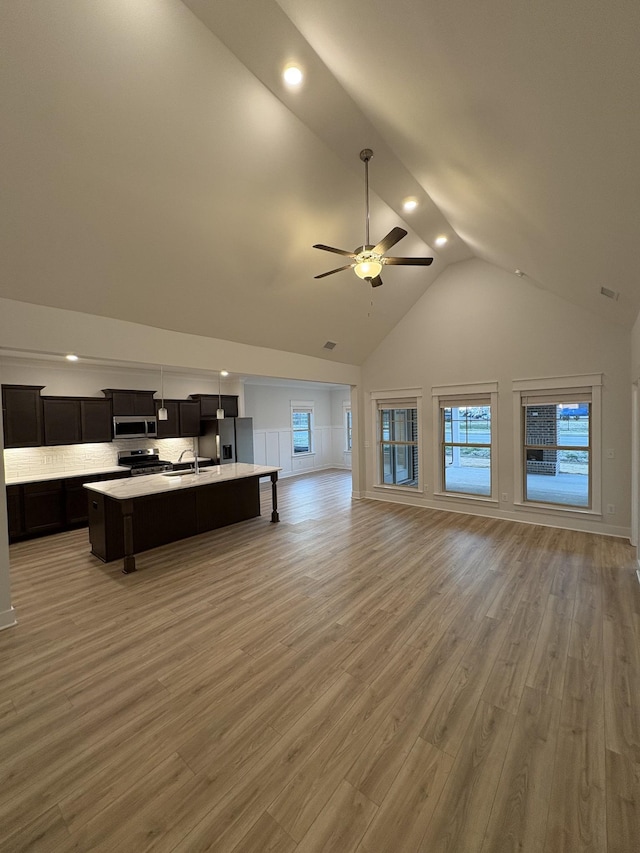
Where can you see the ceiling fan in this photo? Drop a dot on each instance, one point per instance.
(368, 260)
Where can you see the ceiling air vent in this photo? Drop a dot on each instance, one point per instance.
(330, 345)
(610, 294)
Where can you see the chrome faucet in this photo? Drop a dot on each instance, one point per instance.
(196, 466)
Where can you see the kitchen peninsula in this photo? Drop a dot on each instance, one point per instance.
(133, 515)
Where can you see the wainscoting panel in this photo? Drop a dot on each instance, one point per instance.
(273, 447)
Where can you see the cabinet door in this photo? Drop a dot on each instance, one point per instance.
(22, 414)
(171, 427)
(189, 417)
(143, 403)
(230, 406)
(76, 500)
(209, 405)
(129, 403)
(96, 421)
(14, 512)
(61, 420)
(43, 506)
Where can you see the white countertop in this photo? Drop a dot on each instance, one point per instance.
(64, 475)
(153, 484)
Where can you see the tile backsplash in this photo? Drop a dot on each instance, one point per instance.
(22, 461)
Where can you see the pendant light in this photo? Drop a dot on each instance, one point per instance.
(163, 414)
(220, 412)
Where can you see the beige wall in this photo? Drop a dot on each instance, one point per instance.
(477, 323)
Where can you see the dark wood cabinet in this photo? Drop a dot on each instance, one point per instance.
(209, 404)
(183, 418)
(61, 419)
(171, 427)
(130, 403)
(96, 420)
(76, 420)
(14, 512)
(77, 497)
(189, 417)
(35, 509)
(43, 507)
(22, 415)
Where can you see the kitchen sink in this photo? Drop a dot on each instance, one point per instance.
(178, 473)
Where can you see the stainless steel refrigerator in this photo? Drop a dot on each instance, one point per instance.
(228, 440)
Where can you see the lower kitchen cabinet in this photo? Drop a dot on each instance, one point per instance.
(43, 507)
(14, 512)
(49, 506)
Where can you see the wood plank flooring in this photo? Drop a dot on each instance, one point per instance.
(360, 678)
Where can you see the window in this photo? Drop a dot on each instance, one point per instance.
(397, 440)
(559, 443)
(463, 416)
(348, 425)
(302, 427)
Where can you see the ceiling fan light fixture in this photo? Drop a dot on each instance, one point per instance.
(368, 269)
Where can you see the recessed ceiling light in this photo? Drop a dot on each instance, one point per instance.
(409, 204)
(292, 75)
(224, 373)
(441, 240)
(71, 357)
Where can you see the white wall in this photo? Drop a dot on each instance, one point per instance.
(477, 323)
(270, 408)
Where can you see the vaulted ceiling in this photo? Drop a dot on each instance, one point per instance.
(156, 168)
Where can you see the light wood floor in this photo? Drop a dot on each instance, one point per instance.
(361, 678)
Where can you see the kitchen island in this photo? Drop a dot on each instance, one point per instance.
(134, 515)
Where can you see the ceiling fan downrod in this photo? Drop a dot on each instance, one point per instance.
(365, 155)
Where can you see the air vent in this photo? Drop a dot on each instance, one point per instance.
(330, 345)
(610, 294)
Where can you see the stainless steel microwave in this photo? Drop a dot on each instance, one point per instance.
(132, 426)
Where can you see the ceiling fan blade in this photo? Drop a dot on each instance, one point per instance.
(411, 262)
(331, 272)
(394, 236)
(376, 282)
(336, 251)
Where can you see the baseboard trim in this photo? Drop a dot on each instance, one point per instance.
(8, 618)
(488, 512)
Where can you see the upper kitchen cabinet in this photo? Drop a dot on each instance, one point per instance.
(189, 417)
(74, 420)
(183, 419)
(22, 415)
(209, 404)
(61, 417)
(171, 427)
(127, 403)
(96, 421)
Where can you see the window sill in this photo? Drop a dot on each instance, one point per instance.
(302, 455)
(412, 490)
(556, 508)
(459, 496)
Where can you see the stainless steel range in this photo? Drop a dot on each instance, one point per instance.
(143, 461)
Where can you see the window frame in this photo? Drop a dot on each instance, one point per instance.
(347, 419)
(588, 386)
(469, 394)
(406, 398)
(307, 407)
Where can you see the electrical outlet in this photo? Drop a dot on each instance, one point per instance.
(505, 496)
(610, 509)
(611, 454)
